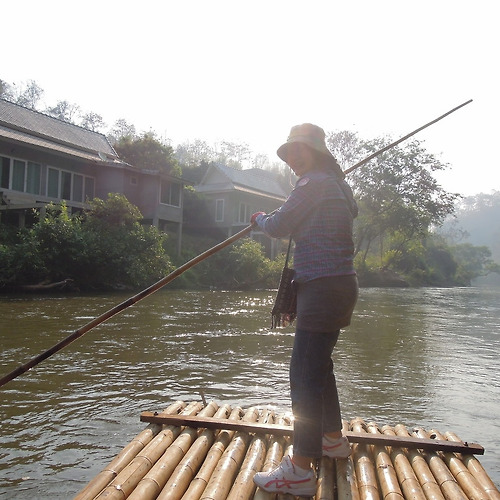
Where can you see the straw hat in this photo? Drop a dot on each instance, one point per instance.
(309, 134)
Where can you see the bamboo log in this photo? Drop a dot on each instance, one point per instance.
(365, 471)
(288, 453)
(275, 452)
(465, 479)
(477, 470)
(152, 483)
(226, 470)
(199, 483)
(243, 486)
(445, 479)
(424, 475)
(386, 473)
(404, 471)
(180, 479)
(125, 482)
(326, 480)
(97, 484)
(347, 483)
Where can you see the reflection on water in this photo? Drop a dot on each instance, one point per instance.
(425, 357)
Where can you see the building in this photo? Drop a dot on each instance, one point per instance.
(234, 195)
(44, 159)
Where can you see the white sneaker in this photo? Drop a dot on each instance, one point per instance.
(336, 448)
(284, 479)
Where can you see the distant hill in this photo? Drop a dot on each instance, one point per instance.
(477, 222)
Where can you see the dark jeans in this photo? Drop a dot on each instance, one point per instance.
(315, 402)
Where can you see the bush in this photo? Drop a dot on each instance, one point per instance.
(103, 248)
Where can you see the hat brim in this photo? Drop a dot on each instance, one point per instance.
(282, 150)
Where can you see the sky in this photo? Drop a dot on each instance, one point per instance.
(247, 71)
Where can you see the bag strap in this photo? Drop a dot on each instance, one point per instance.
(288, 252)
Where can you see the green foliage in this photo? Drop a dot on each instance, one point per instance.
(147, 152)
(123, 250)
(19, 258)
(103, 248)
(59, 243)
(242, 265)
(473, 261)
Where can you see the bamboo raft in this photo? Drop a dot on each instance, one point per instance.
(211, 452)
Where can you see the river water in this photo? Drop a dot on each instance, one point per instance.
(427, 357)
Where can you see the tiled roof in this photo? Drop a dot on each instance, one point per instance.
(256, 179)
(39, 129)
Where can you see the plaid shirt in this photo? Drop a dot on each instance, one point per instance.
(318, 214)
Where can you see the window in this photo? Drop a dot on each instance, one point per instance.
(89, 188)
(4, 172)
(219, 210)
(245, 213)
(77, 187)
(69, 186)
(18, 175)
(26, 176)
(66, 185)
(53, 183)
(33, 179)
(170, 193)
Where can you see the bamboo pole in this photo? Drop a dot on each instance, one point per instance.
(199, 483)
(226, 470)
(125, 482)
(465, 479)
(365, 471)
(387, 476)
(407, 136)
(152, 483)
(180, 479)
(325, 489)
(274, 455)
(404, 471)
(288, 453)
(477, 470)
(243, 486)
(97, 484)
(424, 475)
(122, 306)
(445, 479)
(347, 483)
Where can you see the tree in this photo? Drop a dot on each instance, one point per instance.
(193, 154)
(64, 111)
(92, 121)
(104, 247)
(28, 94)
(122, 250)
(121, 129)
(233, 154)
(396, 193)
(147, 152)
(5, 91)
(474, 261)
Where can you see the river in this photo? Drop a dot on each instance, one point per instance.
(427, 357)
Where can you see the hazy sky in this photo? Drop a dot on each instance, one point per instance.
(248, 71)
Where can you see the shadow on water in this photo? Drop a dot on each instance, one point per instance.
(420, 357)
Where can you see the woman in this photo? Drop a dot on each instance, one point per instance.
(318, 215)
